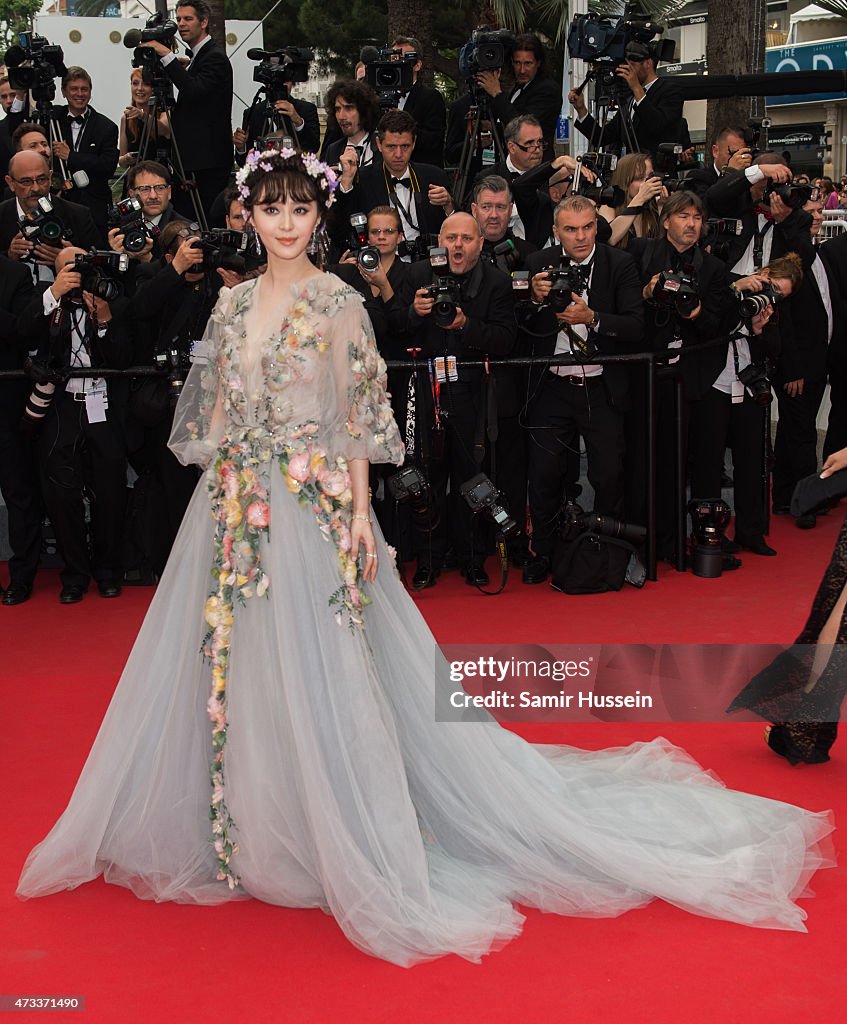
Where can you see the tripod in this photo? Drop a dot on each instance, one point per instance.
(272, 121)
(609, 98)
(46, 116)
(161, 102)
(477, 113)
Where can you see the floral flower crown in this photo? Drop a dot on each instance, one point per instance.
(263, 160)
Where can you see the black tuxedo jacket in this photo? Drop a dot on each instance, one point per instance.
(615, 295)
(97, 155)
(701, 180)
(486, 302)
(77, 220)
(542, 97)
(7, 150)
(332, 153)
(834, 255)
(804, 328)
(730, 197)
(529, 191)
(717, 316)
(656, 119)
(427, 108)
(371, 190)
(16, 290)
(201, 119)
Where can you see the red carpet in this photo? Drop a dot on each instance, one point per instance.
(134, 961)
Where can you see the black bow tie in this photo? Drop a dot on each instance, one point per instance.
(79, 119)
(401, 181)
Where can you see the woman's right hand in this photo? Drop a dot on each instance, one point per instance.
(651, 188)
(836, 461)
(133, 113)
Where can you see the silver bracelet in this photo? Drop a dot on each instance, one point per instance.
(362, 516)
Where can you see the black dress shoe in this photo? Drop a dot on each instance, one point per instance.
(758, 547)
(476, 576)
(72, 594)
(537, 570)
(17, 593)
(519, 556)
(730, 547)
(807, 522)
(109, 588)
(424, 577)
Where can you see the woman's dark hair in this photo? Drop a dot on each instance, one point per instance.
(286, 179)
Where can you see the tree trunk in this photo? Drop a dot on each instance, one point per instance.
(735, 45)
(414, 18)
(217, 23)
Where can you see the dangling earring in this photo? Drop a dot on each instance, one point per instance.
(258, 245)
(313, 243)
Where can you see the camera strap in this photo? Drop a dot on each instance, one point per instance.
(759, 246)
(737, 391)
(395, 200)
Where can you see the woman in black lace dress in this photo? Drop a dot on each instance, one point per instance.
(802, 690)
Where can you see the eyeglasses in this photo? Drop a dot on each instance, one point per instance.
(531, 144)
(41, 180)
(145, 190)
(382, 231)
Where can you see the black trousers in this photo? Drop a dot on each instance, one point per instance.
(76, 458)
(559, 414)
(836, 427)
(19, 484)
(796, 443)
(716, 423)
(459, 409)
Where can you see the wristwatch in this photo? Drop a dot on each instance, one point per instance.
(595, 323)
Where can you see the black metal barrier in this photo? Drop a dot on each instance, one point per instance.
(654, 365)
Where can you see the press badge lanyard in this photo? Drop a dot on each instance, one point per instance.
(391, 189)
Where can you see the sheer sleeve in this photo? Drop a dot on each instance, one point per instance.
(199, 416)
(361, 425)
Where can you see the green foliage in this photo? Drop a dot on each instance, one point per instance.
(16, 16)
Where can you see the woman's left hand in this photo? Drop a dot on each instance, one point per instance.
(363, 545)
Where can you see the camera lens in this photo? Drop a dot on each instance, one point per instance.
(135, 239)
(368, 258)
(51, 231)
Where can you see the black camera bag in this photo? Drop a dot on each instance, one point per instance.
(590, 563)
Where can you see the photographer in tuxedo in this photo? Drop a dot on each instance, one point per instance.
(80, 443)
(418, 192)
(730, 152)
(808, 323)
(302, 116)
(484, 322)
(89, 143)
(532, 93)
(201, 119)
(29, 180)
(18, 473)
(587, 399)
(150, 183)
(426, 106)
(770, 228)
(655, 106)
(687, 302)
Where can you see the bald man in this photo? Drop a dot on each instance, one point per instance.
(80, 442)
(484, 323)
(29, 181)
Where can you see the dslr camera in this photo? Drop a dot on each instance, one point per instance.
(677, 292)
(757, 302)
(573, 521)
(794, 196)
(128, 216)
(445, 289)
(224, 248)
(567, 282)
(409, 486)
(99, 271)
(482, 496)
(43, 226)
(367, 256)
(719, 234)
(757, 383)
(34, 64)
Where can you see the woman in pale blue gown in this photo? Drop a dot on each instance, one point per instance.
(273, 734)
